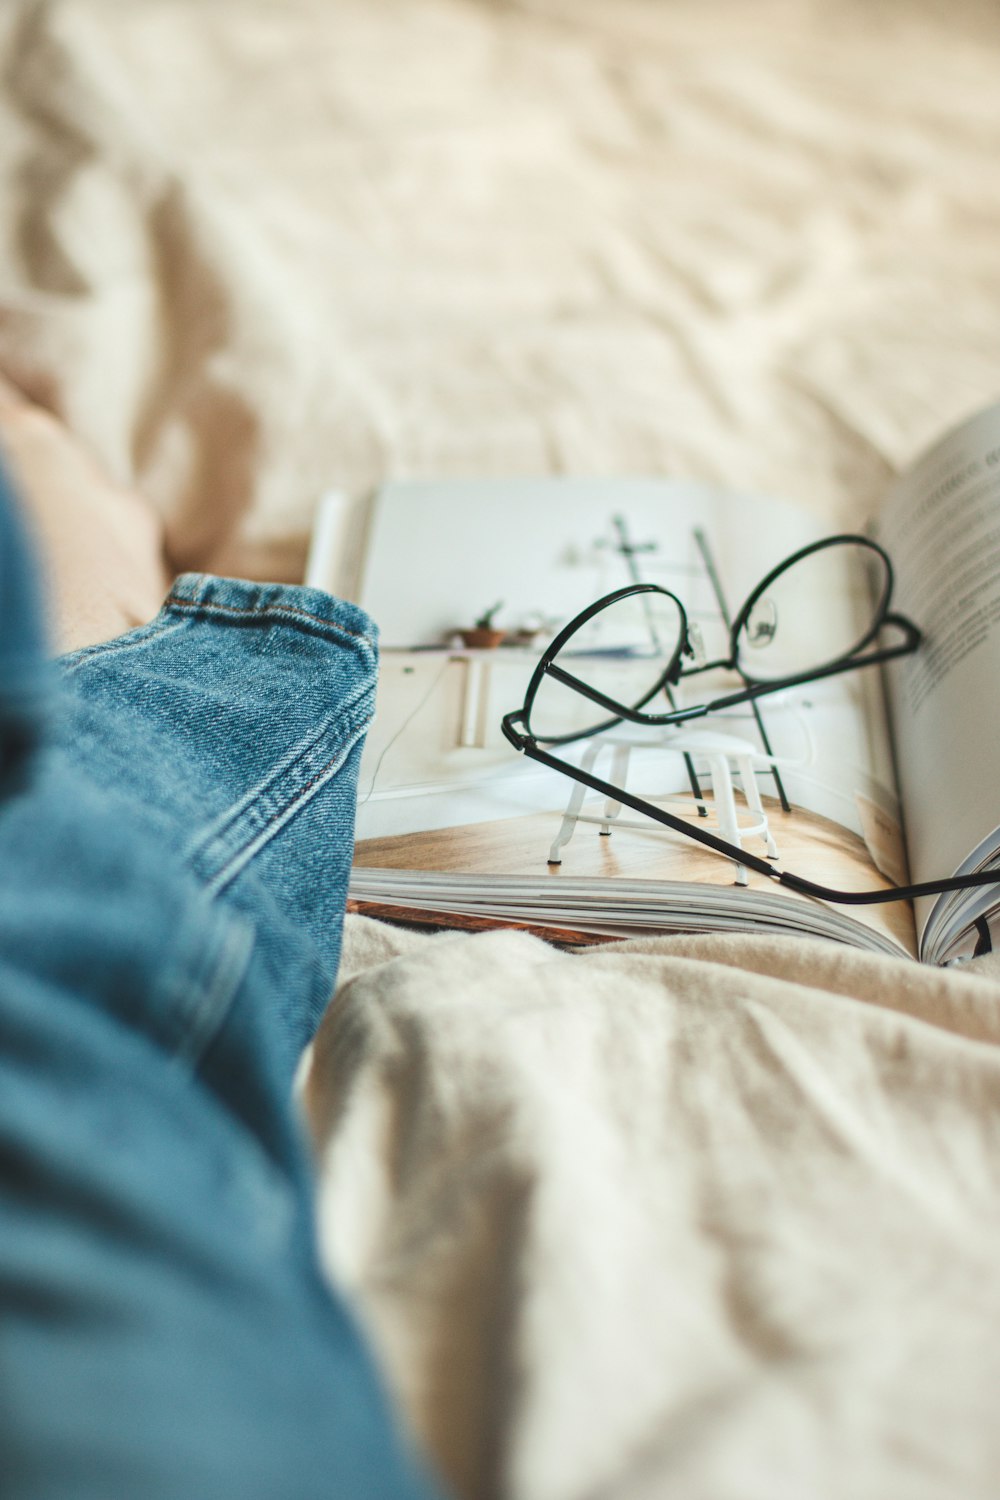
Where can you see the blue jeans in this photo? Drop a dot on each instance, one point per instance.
(176, 818)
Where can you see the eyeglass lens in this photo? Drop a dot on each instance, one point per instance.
(782, 634)
(622, 651)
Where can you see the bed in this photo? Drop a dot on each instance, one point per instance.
(682, 1217)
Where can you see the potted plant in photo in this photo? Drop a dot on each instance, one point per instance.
(484, 635)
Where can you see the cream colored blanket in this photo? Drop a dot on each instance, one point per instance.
(714, 1219)
(691, 1219)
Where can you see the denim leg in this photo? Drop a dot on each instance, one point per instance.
(174, 849)
(231, 729)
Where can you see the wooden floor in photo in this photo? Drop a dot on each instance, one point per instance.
(808, 845)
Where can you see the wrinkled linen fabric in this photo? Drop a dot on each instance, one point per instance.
(708, 1218)
(254, 250)
(695, 1217)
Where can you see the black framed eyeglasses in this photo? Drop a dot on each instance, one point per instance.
(774, 644)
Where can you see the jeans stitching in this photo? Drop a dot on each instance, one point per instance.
(258, 803)
(237, 834)
(242, 856)
(176, 605)
(266, 611)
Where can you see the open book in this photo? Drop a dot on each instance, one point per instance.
(857, 780)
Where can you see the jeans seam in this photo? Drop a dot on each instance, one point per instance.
(222, 850)
(264, 612)
(281, 816)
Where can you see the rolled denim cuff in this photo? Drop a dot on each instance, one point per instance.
(309, 609)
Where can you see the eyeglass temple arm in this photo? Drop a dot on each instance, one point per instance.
(913, 634)
(619, 710)
(913, 637)
(515, 737)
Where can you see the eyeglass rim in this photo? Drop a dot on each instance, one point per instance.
(543, 669)
(880, 613)
(523, 741)
(752, 687)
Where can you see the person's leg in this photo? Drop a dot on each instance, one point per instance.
(173, 856)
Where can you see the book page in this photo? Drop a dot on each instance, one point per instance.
(441, 790)
(941, 526)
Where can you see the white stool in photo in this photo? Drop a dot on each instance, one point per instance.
(729, 759)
